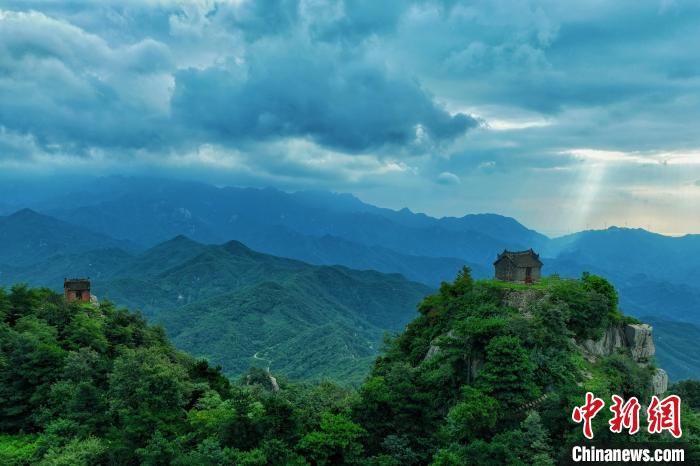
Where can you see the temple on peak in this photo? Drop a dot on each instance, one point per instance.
(518, 266)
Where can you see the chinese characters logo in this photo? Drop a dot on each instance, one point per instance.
(662, 415)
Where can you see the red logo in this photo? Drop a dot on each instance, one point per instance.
(665, 415)
(661, 415)
(625, 415)
(587, 412)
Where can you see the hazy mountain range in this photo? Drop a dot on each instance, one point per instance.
(148, 243)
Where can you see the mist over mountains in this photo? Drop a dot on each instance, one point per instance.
(160, 245)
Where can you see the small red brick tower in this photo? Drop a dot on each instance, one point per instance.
(77, 289)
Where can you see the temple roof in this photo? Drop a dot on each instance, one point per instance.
(521, 258)
(76, 284)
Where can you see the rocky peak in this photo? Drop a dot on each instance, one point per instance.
(637, 338)
(659, 382)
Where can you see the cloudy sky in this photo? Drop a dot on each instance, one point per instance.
(565, 115)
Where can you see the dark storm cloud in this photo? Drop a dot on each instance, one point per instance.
(440, 101)
(354, 75)
(350, 104)
(548, 56)
(69, 87)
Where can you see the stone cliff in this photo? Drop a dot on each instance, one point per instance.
(634, 339)
(637, 340)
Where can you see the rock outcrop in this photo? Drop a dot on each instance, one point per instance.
(523, 300)
(435, 344)
(269, 381)
(273, 383)
(432, 351)
(475, 361)
(638, 339)
(635, 337)
(659, 382)
(607, 344)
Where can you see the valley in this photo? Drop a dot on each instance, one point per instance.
(330, 269)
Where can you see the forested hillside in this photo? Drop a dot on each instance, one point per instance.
(495, 369)
(654, 273)
(487, 374)
(239, 307)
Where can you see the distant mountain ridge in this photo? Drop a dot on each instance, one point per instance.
(329, 228)
(27, 237)
(153, 212)
(229, 303)
(641, 252)
(674, 341)
(654, 274)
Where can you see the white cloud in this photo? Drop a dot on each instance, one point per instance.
(507, 125)
(691, 157)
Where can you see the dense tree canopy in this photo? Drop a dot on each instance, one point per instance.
(473, 380)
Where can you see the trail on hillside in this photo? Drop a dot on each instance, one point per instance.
(268, 361)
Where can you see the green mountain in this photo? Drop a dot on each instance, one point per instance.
(329, 228)
(239, 307)
(98, 264)
(229, 304)
(183, 274)
(281, 327)
(27, 237)
(84, 385)
(317, 227)
(329, 250)
(488, 374)
(653, 273)
(629, 252)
